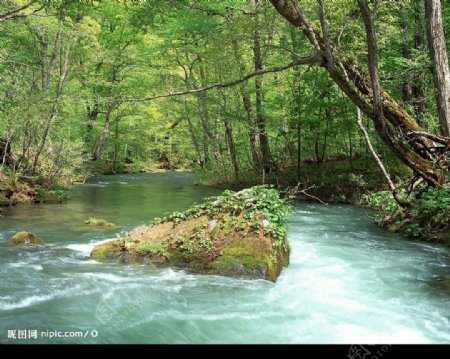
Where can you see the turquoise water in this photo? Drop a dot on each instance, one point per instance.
(349, 281)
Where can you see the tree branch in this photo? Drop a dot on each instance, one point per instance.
(439, 139)
(317, 58)
(372, 54)
(11, 14)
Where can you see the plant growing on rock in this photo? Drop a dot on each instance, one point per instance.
(236, 234)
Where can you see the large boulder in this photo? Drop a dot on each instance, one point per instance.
(239, 234)
(21, 238)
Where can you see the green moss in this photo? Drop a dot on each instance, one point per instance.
(248, 248)
(426, 217)
(99, 223)
(159, 249)
(23, 237)
(109, 251)
(244, 257)
(237, 234)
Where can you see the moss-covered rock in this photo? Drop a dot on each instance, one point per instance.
(239, 234)
(100, 223)
(109, 251)
(23, 237)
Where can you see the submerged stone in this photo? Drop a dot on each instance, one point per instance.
(109, 251)
(100, 223)
(229, 235)
(23, 237)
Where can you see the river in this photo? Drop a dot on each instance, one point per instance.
(348, 281)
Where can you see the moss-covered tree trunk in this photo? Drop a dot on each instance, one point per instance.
(395, 126)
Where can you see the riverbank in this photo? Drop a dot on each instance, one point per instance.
(18, 189)
(99, 168)
(359, 182)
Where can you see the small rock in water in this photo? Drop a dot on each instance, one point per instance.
(21, 238)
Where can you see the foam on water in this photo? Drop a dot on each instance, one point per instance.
(86, 248)
(348, 281)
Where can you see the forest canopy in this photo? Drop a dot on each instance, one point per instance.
(233, 88)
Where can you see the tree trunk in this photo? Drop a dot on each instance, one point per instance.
(64, 68)
(204, 116)
(98, 150)
(231, 148)
(247, 107)
(396, 127)
(92, 115)
(188, 119)
(229, 134)
(418, 83)
(439, 58)
(116, 139)
(406, 53)
(266, 158)
(297, 97)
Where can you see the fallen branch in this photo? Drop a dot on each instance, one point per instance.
(294, 191)
(377, 158)
(439, 139)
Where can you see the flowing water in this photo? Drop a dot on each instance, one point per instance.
(348, 280)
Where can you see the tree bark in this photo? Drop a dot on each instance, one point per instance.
(64, 68)
(439, 58)
(266, 158)
(296, 92)
(418, 85)
(372, 55)
(406, 53)
(247, 103)
(98, 150)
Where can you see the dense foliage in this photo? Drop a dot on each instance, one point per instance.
(262, 205)
(426, 218)
(66, 77)
(78, 81)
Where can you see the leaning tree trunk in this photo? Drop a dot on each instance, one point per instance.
(394, 125)
(439, 58)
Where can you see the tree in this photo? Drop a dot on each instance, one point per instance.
(439, 58)
(394, 125)
(19, 11)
